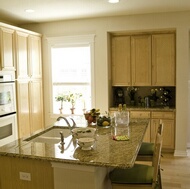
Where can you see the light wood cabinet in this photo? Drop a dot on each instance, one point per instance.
(21, 55)
(7, 62)
(23, 108)
(168, 130)
(29, 84)
(34, 54)
(168, 119)
(141, 60)
(36, 105)
(41, 173)
(163, 60)
(145, 115)
(121, 66)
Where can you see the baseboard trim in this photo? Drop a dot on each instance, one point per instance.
(188, 145)
(181, 153)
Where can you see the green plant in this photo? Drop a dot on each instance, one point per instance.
(61, 98)
(69, 97)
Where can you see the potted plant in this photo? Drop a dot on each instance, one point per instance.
(72, 98)
(61, 98)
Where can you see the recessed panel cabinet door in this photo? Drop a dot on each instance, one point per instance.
(23, 112)
(141, 60)
(168, 133)
(7, 49)
(36, 105)
(34, 53)
(21, 55)
(121, 69)
(163, 60)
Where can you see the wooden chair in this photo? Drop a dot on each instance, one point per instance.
(140, 176)
(147, 148)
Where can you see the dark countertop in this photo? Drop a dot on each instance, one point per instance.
(105, 152)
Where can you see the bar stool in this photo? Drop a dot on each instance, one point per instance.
(139, 176)
(147, 148)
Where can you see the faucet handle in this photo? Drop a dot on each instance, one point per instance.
(62, 138)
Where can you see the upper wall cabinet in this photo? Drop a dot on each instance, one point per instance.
(34, 53)
(141, 60)
(21, 55)
(7, 49)
(121, 66)
(163, 60)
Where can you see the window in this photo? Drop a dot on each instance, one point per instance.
(72, 72)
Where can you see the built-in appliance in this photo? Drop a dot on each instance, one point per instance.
(8, 121)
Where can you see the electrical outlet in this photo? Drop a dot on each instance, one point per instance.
(25, 176)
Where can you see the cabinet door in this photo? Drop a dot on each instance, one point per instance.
(141, 60)
(36, 105)
(168, 133)
(21, 55)
(121, 71)
(34, 53)
(7, 49)
(163, 60)
(23, 113)
(142, 115)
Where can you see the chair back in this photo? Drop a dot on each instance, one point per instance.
(160, 128)
(156, 157)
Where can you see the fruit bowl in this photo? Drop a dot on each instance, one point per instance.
(104, 121)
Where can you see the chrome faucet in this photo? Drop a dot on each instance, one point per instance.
(68, 124)
(62, 138)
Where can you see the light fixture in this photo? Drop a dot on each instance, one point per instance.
(29, 10)
(113, 1)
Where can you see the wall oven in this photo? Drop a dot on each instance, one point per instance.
(8, 120)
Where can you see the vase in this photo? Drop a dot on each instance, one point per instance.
(72, 110)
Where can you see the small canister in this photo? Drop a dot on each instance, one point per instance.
(147, 102)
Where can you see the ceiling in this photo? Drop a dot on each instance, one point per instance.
(53, 10)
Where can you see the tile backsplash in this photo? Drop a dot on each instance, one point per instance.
(159, 96)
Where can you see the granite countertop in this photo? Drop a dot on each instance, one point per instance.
(105, 152)
(156, 108)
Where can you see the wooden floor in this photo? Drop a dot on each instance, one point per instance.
(176, 172)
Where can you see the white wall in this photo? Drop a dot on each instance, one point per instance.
(100, 27)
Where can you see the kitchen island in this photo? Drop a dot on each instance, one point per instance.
(72, 165)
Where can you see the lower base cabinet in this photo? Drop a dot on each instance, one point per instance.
(41, 173)
(168, 119)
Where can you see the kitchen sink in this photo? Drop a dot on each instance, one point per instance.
(51, 136)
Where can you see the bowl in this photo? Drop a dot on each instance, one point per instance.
(83, 132)
(104, 121)
(86, 143)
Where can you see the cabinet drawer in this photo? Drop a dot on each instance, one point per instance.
(166, 115)
(139, 114)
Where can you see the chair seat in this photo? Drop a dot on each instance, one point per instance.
(146, 149)
(139, 174)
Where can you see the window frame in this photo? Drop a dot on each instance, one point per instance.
(66, 41)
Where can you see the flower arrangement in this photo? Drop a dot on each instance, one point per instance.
(131, 92)
(92, 115)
